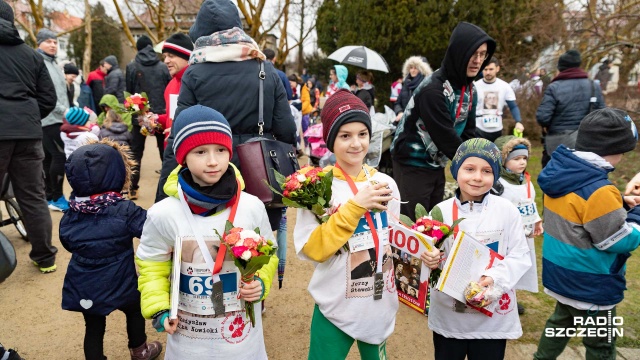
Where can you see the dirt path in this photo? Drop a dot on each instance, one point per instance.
(32, 320)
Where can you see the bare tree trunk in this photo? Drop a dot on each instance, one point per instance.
(301, 39)
(160, 30)
(86, 57)
(284, 40)
(125, 27)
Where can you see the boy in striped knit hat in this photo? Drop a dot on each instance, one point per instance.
(205, 195)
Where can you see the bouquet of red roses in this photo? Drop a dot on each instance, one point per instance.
(136, 103)
(250, 253)
(308, 188)
(431, 225)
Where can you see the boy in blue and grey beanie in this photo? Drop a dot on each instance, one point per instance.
(457, 328)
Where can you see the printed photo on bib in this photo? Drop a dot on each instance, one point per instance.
(490, 101)
(489, 238)
(490, 114)
(362, 264)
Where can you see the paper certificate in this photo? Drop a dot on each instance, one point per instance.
(173, 105)
(175, 278)
(411, 276)
(192, 283)
(466, 262)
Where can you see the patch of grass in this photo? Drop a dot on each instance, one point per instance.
(539, 306)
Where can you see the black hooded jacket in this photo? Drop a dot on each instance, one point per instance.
(27, 94)
(431, 130)
(147, 74)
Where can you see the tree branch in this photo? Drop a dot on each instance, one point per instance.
(28, 29)
(144, 26)
(245, 13)
(125, 27)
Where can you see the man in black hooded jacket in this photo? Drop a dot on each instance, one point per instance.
(441, 116)
(232, 88)
(27, 95)
(146, 73)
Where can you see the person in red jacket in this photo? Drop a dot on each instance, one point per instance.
(176, 50)
(95, 80)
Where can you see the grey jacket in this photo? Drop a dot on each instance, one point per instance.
(62, 104)
(114, 83)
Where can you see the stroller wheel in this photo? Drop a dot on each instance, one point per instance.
(16, 217)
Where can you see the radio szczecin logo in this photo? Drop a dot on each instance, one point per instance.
(592, 326)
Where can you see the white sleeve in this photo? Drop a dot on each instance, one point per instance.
(305, 224)
(157, 240)
(507, 272)
(533, 196)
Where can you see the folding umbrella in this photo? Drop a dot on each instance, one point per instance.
(360, 56)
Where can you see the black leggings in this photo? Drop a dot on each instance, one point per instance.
(95, 327)
(137, 149)
(54, 160)
(472, 349)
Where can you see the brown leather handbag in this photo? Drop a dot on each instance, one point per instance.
(260, 156)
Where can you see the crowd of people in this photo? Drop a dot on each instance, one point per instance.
(215, 75)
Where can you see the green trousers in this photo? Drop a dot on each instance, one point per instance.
(597, 347)
(330, 343)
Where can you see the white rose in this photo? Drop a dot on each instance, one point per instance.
(244, 234)
(301, 178)
(136, 107)
(436, 227)
(420, 228)
(246, 255)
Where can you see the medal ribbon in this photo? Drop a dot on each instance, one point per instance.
(464, 88)
(222, 250)
(367, 215)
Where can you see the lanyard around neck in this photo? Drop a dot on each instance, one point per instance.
(222, 250)
(455, 217)
(367, 215)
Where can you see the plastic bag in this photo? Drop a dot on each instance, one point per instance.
(481, 296)
(380, 122)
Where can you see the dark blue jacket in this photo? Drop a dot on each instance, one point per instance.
(101, 275)
(566, 103)
(232, 88)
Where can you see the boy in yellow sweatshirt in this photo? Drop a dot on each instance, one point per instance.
(353, 283)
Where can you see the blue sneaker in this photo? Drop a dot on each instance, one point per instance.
(59, 205)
